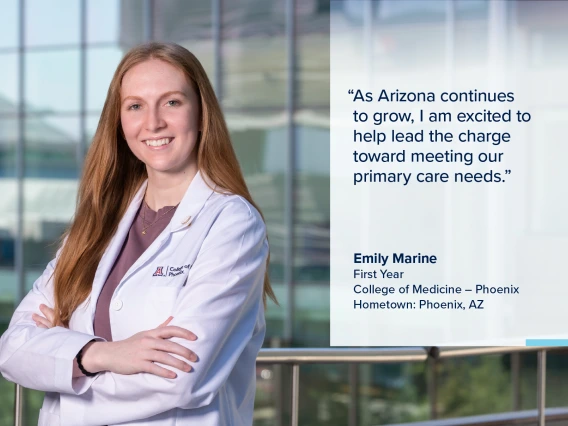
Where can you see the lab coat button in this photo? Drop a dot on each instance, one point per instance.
(117, 304)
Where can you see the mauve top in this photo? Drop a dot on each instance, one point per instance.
(134, 245)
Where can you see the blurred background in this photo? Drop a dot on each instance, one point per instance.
(269, 63)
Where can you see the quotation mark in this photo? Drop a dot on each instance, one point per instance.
(350, 91)
(507, 172)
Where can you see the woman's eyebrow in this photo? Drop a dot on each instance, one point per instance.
(171, 92)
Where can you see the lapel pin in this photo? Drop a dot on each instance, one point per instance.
(187, 221)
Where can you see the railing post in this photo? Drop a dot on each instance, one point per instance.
(353, 394)
(18, 406)
(295, 394)
(433, 382)
(541, 387)
(516, 380)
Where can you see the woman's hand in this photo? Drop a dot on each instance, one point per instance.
(138, 353)
(47, 321)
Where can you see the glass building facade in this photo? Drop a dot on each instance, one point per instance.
(269, 63)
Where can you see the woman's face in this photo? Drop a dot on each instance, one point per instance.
(160, 117)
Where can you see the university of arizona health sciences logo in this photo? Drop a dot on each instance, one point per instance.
(159, 272)
(171, 271)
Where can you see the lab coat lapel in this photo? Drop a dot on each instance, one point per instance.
(197, 194)
(112, 251)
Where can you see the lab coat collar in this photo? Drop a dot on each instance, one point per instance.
(198, 192)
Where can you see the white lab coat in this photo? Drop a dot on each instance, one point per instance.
(206, 271)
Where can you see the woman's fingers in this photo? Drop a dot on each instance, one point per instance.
(174, 348)
(167, 359)
(41, 321)
(47, 311)
(152, 368)
(173, 331)
(166, 322)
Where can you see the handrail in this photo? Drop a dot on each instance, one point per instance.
(456, 352)
(343, 355)
(496, 419)
(299, 356)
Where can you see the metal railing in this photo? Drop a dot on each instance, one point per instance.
(297, 357)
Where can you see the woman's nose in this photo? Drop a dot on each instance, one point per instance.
(154, 120)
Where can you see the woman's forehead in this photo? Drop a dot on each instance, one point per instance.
(154, 76)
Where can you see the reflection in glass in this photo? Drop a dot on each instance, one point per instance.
(9, 25)
(460, 382)
(50, 186)
(52, 81)
(259, 145)
(51, 147)
(6, 387)
(32, 401)
(132, 23)
(52, 22)
(8, 141)
(8, 83)
(188, 23)
(179, 20)
(8, 217)
(311, 260)
(91, 127)
(102, 21)
(101, 64)
(254, 65)
(392, 393)
(312, 58)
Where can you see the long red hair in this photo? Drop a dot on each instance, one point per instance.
(112, 175)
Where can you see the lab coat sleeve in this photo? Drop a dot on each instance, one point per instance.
(40, 358)
(220, 303)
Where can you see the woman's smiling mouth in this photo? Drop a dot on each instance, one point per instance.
(158, 142)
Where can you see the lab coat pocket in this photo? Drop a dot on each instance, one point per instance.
(47, 419)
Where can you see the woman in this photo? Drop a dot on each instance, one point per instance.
(158, 289)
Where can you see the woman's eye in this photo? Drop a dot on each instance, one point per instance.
(173, 103)
(134, 106)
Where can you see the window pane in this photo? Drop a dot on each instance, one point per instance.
(8, 219)
(260, 146)
(52, 81)
(6, 390)
(392, 393)
(475, 385)
(8, 215)
(132, 23)
(254, 58)
(8, 83)
(50, 187)
(8, 141)
(9, 24)
(188, 23)
(312, 44)
(103, 11)
(311, 257)
(52, 22)
(91, 127)
(182, 20)
(32, 403)
(101, 64)
(51, 145)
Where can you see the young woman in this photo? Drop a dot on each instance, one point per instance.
(152, 312)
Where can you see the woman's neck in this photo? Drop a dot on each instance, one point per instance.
(167, 189)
